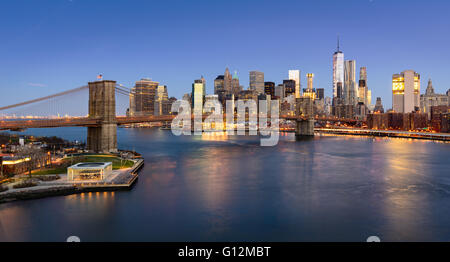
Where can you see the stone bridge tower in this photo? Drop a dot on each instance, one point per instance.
(304, 126)
(102, 106)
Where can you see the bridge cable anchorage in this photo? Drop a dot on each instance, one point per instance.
(44, 98)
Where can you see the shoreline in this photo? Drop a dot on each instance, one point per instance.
(52, 190)
(440, 137)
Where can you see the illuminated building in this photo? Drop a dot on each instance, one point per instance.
(246, 95)
(397, 121)
(269, 88)
(142, 100)
(430, 98)
(187, 97)
(257, 81)
(219, 84)
(338, 69)
(279, 92)
(295, 75)
(14, 165)
(198, 95)
(350, 89)
(320, 93)
(445, 125)
(235, 87)
(437, 117)
(227, 78)
(328, 106)
(212, 100)
(378, 106)
(89, 171)
(161, 101)
(289, 87)
(362, 89)
(406, 92)
(309, 92)
(310, 78)
(369, 97)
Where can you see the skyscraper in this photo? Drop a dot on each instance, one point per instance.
(310, 78)
(279, 92)
(378, 106)
(257, 81)
(362, 89)
(295, 75)
(289, 87)
(235, 87)
(430, 99)
(161, 100)
(219, 84)
(350, 89)
(406, 91)
(338, 69)
(269, 88)
(369, 97)
(227, 81)
(320, 93)
(310, 91)
(198, 95)
(142, 100)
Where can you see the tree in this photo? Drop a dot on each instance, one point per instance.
(34, 157)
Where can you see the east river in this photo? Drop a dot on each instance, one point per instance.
(218, 188)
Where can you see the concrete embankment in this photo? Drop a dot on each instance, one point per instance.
(386, 133)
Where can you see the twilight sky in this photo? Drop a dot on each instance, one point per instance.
(48, 46)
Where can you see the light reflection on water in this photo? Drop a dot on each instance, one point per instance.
(215, 187)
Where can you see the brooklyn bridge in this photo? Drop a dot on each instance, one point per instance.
(102, 121)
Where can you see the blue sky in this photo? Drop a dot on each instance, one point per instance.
(49, 46)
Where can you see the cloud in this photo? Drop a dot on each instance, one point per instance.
(37, 85)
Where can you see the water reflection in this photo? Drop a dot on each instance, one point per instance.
(228, 188)
(406, 202)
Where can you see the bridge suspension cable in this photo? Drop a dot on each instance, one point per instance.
(44, 98)
(122, 91)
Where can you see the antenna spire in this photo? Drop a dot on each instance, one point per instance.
(338, 43)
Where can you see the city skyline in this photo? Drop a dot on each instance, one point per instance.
(222, 129)
(49, 65)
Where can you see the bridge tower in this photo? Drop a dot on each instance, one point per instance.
(305, 113)
(102, 106)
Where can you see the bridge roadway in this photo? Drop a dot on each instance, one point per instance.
(122, 120)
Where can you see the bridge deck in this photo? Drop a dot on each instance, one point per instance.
(121, 120)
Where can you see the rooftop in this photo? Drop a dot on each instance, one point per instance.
(91, 165)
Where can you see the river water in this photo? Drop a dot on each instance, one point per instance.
(218, 188)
